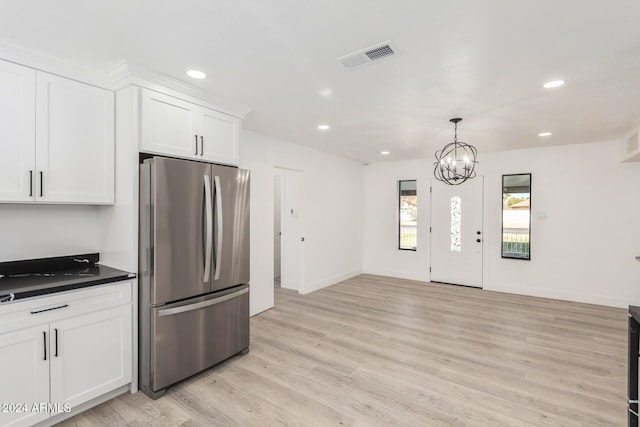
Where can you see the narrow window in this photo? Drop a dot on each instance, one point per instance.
(408, 215)
(516, 216)
(456, 221)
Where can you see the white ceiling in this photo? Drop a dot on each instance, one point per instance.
(484, 61)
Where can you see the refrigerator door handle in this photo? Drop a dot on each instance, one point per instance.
(201, 304)
(208, 230)
(220, 227)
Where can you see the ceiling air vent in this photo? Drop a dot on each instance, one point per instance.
(368, 55)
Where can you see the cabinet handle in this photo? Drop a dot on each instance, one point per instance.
(44, 341)
(49, 309)
(196, 136)
(41, 180)
(56, 329)
(30, 183)
(201, 145)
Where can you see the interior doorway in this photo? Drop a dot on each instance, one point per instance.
(277, 228)
(456, 232)
(288, 229)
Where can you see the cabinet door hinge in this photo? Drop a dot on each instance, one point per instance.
(429, 269)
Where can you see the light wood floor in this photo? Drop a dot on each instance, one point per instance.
(376, 351)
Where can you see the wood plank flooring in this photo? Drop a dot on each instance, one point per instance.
(377, 351)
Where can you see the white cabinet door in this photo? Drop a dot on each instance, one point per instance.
(75, 148)
(169, 125)
(24, 357)
(92, 355)
(220, 137)
(17, 132)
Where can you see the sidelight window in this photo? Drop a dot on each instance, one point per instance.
(408, 215)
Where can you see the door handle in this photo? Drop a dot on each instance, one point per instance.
(478, 240)
(201, 304)
(41, 181)
(216, 180)
(30, 183)
(196, 136)
(49, 309)
(201, 145)
(478, 233)
(56, 331)
(44, 342)
(302, 239)
(208, 231)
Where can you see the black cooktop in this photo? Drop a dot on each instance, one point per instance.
(28, 278)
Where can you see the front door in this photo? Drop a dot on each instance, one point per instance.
(456, 232)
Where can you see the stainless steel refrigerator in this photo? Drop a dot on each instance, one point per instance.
(194, 269)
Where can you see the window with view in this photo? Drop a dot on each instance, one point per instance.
(408, 215)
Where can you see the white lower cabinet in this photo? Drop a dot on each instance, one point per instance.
(90, 355)
(24, 357)
(74, 347)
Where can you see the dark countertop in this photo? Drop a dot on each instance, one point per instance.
(30, 278)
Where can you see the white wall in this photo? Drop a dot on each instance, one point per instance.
(40, 231)
(332, 210)
(585, 228)
(381, 253)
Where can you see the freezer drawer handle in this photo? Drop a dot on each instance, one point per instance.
(49, 309)
(202, 304)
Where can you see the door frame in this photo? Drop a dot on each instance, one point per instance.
(281, 170)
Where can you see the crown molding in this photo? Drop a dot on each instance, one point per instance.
(43, 61)
(121, 75)
(124, 74)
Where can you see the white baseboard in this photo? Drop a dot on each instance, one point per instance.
(398, 274)
(311, 287)
(564, 295)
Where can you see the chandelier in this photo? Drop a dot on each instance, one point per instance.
(456, 162)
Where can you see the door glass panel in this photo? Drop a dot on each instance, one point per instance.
(516, 216)
(456, 221)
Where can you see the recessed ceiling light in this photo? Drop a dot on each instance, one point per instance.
(544, 134)
(553, 83)
(323, 127)
(195, 74)
(325, 92)
(384, 153)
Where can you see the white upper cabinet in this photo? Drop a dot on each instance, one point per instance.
(175, 127)
(75, 146)
(56, 139)
(17, 132)
(219, 141)
(168, 125)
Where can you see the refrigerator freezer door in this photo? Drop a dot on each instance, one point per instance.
(231, 227)
(180, 230)
(193, 335)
